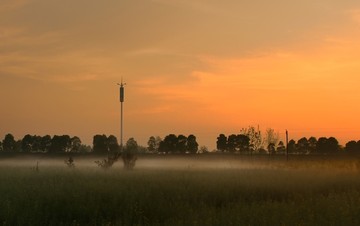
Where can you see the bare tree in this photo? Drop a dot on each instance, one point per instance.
(203, 149)
(271, 137)
(256, 141)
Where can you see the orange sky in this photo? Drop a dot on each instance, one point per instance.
(201, 67)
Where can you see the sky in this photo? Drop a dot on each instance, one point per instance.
(201, 67)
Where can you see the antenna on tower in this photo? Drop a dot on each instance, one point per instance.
(122, 84)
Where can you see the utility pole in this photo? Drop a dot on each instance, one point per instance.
(287, 145)
(121, 112)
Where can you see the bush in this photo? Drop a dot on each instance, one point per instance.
(129, 160)
(109, 162)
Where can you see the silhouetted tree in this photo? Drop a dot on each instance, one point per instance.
(321, 146)
(352, 147)
(157, 143)
(162, 147)
(17, 147)
(109, 145)
(281, 149)
(60, 143)
(113, 145)
(100, 144)
(65, 143)
(327, 145)
(27, 143)
(45, 143)
(75, 144)
(131, 145)
(312, 144)
(192, 145)
(292, 146)
(242, 143)
(36, 145)
(129, 155)
(173, 144)
(232, 143)
(221, 143)
(151, 144)
(333, 145)
(303, 145)
(9, 143)
(254, 136)
(181, 143)
(31, 143)
(170, 143)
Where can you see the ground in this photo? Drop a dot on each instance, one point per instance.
(181, 190)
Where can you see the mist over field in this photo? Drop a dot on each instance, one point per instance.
(190, 162)
(146, 162)
(181, 190)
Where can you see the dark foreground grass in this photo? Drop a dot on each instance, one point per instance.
(61, 196)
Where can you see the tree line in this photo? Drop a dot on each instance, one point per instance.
(47, 144)
(173, 144)
(248, 141)
(101, 144)
(251, 140)
(61, 143)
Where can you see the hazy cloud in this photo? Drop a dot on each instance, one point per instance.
(8, 5)
(354, 14)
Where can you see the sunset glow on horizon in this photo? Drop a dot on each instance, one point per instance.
(191, 67)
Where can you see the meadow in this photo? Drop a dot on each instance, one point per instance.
(177, 190)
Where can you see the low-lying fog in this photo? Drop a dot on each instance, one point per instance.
(155, 162)
(193, 162)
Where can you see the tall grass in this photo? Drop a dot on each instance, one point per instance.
(279, 195)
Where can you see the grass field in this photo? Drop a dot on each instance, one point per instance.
(181, 191)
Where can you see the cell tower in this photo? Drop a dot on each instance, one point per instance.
(287, 145)
(121, 111)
